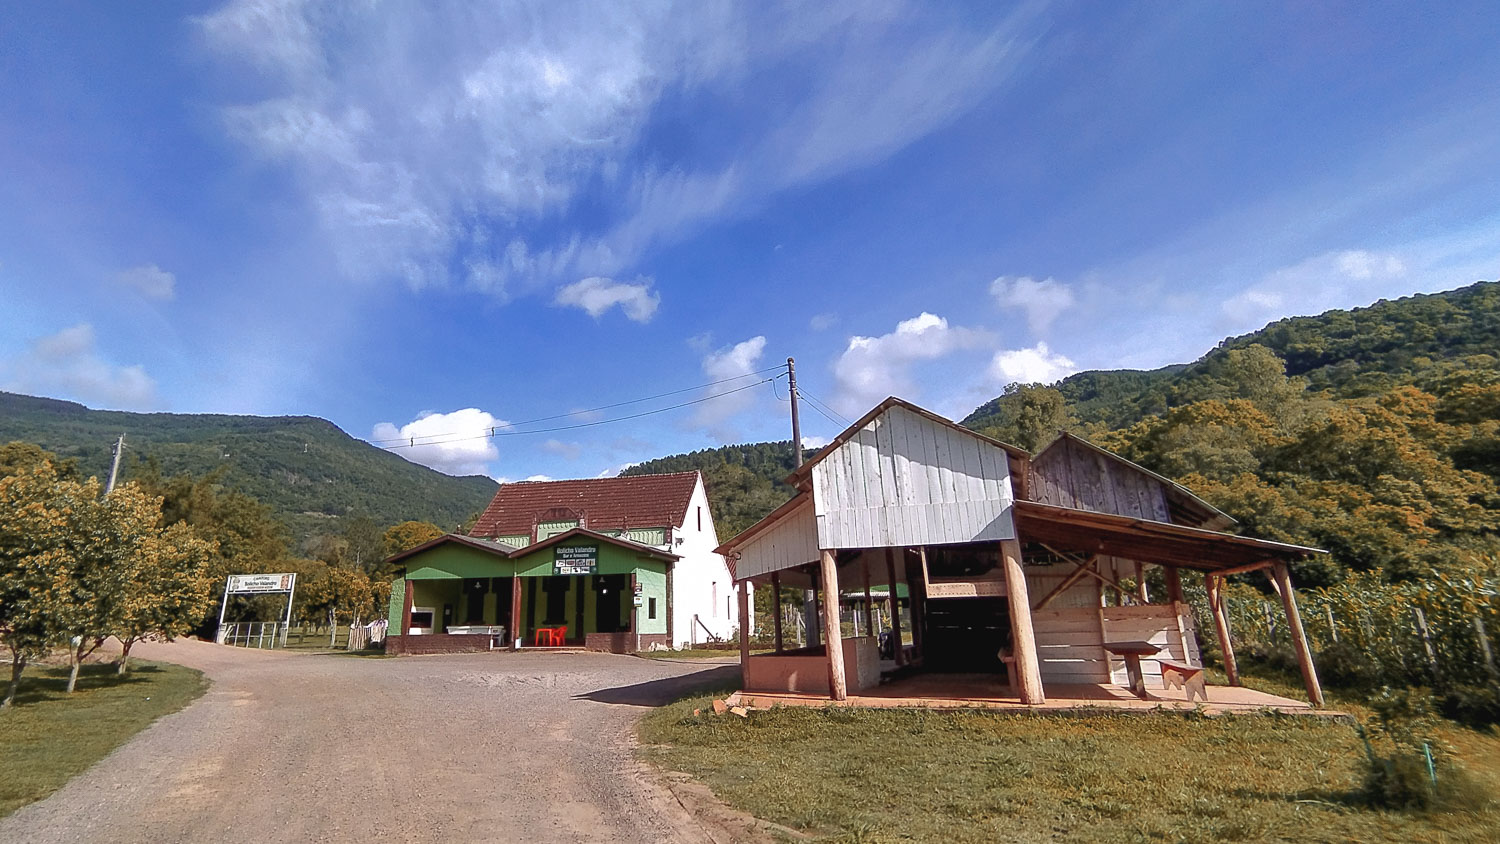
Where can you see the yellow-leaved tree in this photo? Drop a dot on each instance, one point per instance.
(170, 588)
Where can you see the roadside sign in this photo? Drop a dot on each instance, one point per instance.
(259, 583)
(575, 559)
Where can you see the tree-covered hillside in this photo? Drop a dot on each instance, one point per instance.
(1359, 352)
(744, 482)
(307, 471)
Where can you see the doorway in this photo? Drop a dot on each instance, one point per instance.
(608, 611)
(966, 635)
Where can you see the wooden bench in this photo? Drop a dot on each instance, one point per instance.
(1189, 678)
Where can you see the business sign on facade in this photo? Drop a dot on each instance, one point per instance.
(240, 584)
(575, 559)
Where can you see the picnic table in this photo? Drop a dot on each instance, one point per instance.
(1132, 652)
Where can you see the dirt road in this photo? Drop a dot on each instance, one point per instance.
(310, 748)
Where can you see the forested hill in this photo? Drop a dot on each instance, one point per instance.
(744, 482)
(1359, 352)
(305, 469)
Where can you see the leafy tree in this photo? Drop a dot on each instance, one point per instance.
(336, 592)
(31, 564)
(1028, 415)
(168, 590)
(408, 535)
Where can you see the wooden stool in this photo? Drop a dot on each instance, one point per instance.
(1189, 678)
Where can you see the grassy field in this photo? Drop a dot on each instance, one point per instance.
(49, 736)
(971, 776)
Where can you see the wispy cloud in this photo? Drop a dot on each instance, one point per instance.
(1042, 301)
(1035, 365)
(150, 281)
(739, 360)
(69, 364)
(470, 165)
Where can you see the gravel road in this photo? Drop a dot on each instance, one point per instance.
(457, 748)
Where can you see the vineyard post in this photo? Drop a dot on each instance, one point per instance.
(1426, 642)
(1333, 629)
(1484, 647)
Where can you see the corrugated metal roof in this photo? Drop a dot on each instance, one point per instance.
(600, 503)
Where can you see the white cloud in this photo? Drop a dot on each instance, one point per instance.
(457, 443)
(614, 471)
(151, 281)
(68, 364)
(737, 361)
(1318, 284)
(811, 441)
(1036, 365)
(528, 479)
(1043, 301)
(567, 451)
(823, 322)
(597, 295)
(429, 137)
(872, 368)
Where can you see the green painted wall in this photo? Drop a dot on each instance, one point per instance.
(547, 530)
(653, 585)
(436, 593)
(397, 605)
(452, 560)
(518, 541)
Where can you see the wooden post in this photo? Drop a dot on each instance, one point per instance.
(864, 567)
(919, 608)
(776, 607)
(744, 634)
(1422, 631)
(890, 573)
(1140, 583)
(406, 602)
(1333, 629)
(1283, 579)
(833, 639)
(1221, 626)
(517, 629)
(1484, 648)
(1023, 638)
(1174, 584)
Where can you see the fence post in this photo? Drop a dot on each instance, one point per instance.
(1333, 629)
(1484, 647)
(1426, 642)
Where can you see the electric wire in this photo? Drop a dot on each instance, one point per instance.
(822, 406)
(495, 432)
(423, 439)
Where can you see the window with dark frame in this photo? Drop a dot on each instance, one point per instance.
(651, 608)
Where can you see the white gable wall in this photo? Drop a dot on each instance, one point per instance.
(904, 480)
(701, 584)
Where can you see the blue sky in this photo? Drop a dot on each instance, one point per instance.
(432, 218)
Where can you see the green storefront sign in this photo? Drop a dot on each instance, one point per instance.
(575, 559)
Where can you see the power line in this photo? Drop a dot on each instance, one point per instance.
(494, 432)
(815, 401)
(433, 438)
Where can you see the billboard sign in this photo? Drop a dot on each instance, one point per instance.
(575, 559)
(240, 584)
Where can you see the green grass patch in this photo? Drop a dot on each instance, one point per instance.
(975, 776)
(49, 736)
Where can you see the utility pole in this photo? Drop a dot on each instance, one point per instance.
(791, 383)
(114, 470)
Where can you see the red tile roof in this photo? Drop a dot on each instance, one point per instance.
(638, 501)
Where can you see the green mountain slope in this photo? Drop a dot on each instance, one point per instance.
(744, 482)
(307, 470)
(1359, 352)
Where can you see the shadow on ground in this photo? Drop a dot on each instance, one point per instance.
(723, 679)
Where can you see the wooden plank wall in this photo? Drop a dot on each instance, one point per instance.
(906, 481)
(1072, 475)
(791, 542)
(1069, 638)
(1157, 624)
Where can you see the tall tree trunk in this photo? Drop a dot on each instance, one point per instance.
(333, 627)
(17, 665)
(75, 658)
(124, 664)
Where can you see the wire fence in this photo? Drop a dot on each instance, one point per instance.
(253, 634)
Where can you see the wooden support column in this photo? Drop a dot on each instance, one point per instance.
(919, 608)
(833, 640)
(1023, 638)
(890, 574)
(1140, 584)
(744, 598)
(1174, 584)
(517, 630)
(776, 608)
(1214, 586)
(406, 602)
(864, 568)
(1282, 575)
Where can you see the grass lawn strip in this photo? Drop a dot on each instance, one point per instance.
(48, 736)
(974, 776)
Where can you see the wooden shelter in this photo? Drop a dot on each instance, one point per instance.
(1031, 566)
